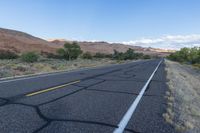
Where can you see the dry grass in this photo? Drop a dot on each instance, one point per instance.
(9, 68)
(183, 97)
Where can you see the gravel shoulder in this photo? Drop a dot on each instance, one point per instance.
(11, 68)
(183, 97)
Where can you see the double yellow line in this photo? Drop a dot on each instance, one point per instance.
(52, 88)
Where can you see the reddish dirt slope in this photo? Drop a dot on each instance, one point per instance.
(108, 48)
(21, 42)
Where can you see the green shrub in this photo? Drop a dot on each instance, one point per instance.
(6, 54)
(146, 57)
(118, 55)
(130, 54)
(70, 51)
(108, 56)
(87, 55)
(189, 55)
(99, 55)
(30, 57)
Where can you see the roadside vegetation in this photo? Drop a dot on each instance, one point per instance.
(183, 110)
(30, 57)
(70, 51)
(187, 55)
(67, 58)
(183, 97)
(6, 54)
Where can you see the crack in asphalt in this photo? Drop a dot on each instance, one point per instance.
(112, 91)
(80, 121)
(49, 120)
(42, 127)
(11, 100)
(3, 101)
(17, 97)
(83, 88)
(147, 95)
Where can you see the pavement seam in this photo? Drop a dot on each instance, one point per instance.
(107, 91)
(87, 78)
(136, 80)
(42, 127)
(125, 119)
(81, 121)
(49, 120)
(70, 93)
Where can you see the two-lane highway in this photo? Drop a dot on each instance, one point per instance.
(117, 98)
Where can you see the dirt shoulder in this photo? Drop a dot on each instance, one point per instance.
(10, 68)
(183, 97)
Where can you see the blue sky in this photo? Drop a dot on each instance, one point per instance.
(108, 20)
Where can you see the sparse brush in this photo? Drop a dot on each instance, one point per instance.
(183, 106)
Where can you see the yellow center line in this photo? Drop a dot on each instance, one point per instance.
(52, 88)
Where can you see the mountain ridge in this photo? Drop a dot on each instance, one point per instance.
(20, 42)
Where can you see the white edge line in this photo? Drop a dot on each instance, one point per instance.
(129, 113)
(37, 75)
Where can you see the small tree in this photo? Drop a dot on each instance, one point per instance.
(70, 51)
(118, 55)
(190, 55)
(87, 55)
(30, 57)
(193, 55)
(129, 54)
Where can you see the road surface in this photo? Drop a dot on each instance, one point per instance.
(93, 100)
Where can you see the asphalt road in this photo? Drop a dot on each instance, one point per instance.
(86, 101)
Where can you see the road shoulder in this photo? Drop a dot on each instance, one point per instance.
(183, 107)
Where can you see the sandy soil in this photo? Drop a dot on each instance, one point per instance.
(183, 97)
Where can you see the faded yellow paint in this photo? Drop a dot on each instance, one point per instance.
(52, 88)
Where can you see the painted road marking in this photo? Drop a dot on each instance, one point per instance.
(52, 88)
(129, 113)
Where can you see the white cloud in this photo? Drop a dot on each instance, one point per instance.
(168, 42)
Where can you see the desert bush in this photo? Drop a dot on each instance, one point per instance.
(130, 54)
(70, 51)
(146, 57)
(190, 55)
(87, 55)
(118, 55)
(30, 57)
(99, 55)
(6, 54)
(108, 56)
(50, 55)
(103, 55)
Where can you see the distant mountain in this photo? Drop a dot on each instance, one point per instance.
(108, 48)
(22, 42)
